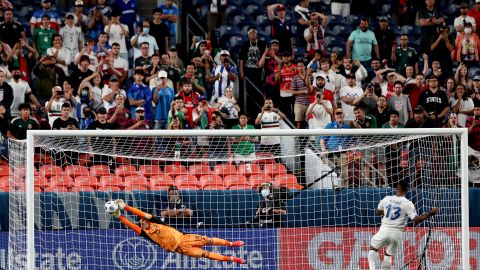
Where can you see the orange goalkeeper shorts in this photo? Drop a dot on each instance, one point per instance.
(191, 245)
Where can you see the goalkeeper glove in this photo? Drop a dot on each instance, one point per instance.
(116, 214)
(121, 204)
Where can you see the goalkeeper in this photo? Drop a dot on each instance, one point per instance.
(173, 240)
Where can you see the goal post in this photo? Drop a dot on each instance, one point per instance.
(334, 191)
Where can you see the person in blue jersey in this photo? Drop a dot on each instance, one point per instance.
(139, 95)
(170, 16)
(163, 98)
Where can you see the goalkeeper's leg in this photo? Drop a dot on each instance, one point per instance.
(223, 242)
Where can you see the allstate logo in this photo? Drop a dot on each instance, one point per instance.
(133, 254)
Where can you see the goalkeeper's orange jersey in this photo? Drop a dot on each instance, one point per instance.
(165, 236)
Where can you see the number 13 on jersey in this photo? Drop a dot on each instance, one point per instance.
(393, 212)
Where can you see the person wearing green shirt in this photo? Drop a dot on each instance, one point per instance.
(405, 56)
(43, 36)
(363, 120)
(393, 123)
(21, 124)
(243, 147)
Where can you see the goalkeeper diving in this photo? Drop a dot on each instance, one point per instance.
(168, 238)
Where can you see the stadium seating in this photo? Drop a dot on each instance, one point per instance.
(210, 180)
(224, 169)
(161, 181)
(274, 169)
(111, 181)
(126, 170)
(136, 182)
(236, 180)
(187, 182)
(99, 170)
(286, 180)
(76, 170)
(149, 170)
(61, 181)
(4, 183)
(199, 169)
(175, 170)
(258, 179)
(248, 169)
(50, 170)
(86, 181)
(4, 170)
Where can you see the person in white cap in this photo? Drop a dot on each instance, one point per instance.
(222, 76)
(162, 98)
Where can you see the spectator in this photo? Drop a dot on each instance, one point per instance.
(144, 60)
(140, 121)
(403, 12)
(17, 89)
(173, 72)
(175, 61)
(341, 7)
(301, 90)
(269, 119)
(429, 18)
(101, 48)
(461, 77)
(251, 52)
(139, 95)
(271, 211)
(476, 88)
(93, 85)
(42, 36)
(101, 122)
(228, 107)
(347, 95)
(401, 103)
(328, 75)
(414, 90)
(202, 114)
(452, 121)
(420, 120)
(314, 64)
(119, 116)
(269, 62)
(368, 100)
(381, 112)
(65, 121)
(72, 36)
(11, 31)
(53, 18)
(461, 104)
(404, 56)
(350, 67)
(327, 94)
(218, 148)
(159, 31)
(434, 101)
(474, 12)
(152, 68)
(175, 123)
(4, 127)
(443, 45)
(162, 98)
(8, 96)
(302, 17)
(450, 87)
(360, 44)
(170, 15)
(141, 37)
(109, 91)
(222, 76)
(81, 73)
(177, 108)
(217, 16)
(119, 63)
(22, 123)
(88, 116)
(280, 28)
(460, 22)
(191, 100)
(284, 75)
(473, 125)
(117, 34)
(98, 19)
(313, 34)
(87, 50)
(387, 86)
(61, 55)
(467, 46)
(363, 120)
(129, 12)
(385, 38)
(175, 207)
(47, 76)
(393, 123)
(197, 83)
(243, 147)
(17, 57)
(319, 112)
(79, 18)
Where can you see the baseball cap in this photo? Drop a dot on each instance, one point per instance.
(251, 28)
(69, 16)
(57, 88)
(162, 74)
(102, 110)
(383, 18)
(274, 41)
(337, 111)
(418, 109)
(321, 76)
(280, 7)
(351, 76)
(476, 78)
(225, 52)
(173, 48)
(139, 109)
(477, 1)
(114, 78)
(79, 3)
(84, 58)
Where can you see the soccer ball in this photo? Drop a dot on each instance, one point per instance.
(111, 207)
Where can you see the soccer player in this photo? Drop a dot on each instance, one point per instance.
(173, 240)
(395, 211)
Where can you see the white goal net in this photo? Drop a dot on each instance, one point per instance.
(319, 212)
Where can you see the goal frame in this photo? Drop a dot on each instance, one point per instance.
(33, 134)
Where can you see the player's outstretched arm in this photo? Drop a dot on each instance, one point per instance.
(425, 216)
(123, 206)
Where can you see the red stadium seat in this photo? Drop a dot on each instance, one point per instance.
(4, 170)
(40, 181)
(126, 170)
(274, 169)
(199, 169)
(187, 181)
(248, 169)
(162, 180)
(62, 181)
(122, 160)
(224, 169)
(85, 180)
(137, 182)
(42, 159)
(50, 170)
(258, 179)
(235, 179)
(149, 170)
(99, 170)
(210, 180)
(84, 160)
(175, 170)
(113, 181)
(4, 183)
(76, 170)
(81, 188)
(287, 180)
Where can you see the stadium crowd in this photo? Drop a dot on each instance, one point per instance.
(316, 64)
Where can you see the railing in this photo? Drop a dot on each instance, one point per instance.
(191, 20)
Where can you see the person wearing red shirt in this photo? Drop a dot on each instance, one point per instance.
(414, 90)
(190, 99)
(284, 75)
(475, 13)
